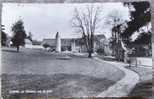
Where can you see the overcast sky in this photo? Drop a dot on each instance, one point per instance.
(44, 20)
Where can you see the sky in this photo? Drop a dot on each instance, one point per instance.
(44, 20)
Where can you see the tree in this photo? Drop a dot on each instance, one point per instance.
(19, 34)
(140, 17)
(86, 22)
(115, 19)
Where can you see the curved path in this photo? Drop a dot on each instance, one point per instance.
(124, 86)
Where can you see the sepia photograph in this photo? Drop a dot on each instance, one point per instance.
(76, 50)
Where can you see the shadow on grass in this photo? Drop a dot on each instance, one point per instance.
(143, 89)
(8, 50)
(62, 85)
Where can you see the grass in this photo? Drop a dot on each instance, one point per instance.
(62, 85)
(39, 69)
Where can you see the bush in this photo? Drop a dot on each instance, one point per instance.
(46, 45)
(100, 51)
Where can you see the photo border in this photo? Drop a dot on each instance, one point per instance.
(81, 1)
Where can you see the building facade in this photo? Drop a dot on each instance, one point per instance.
(77, 44)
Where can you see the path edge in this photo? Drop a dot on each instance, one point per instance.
(122, 87)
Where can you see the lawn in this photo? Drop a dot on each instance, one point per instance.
(37, 69)
(62, 85)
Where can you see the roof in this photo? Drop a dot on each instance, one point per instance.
(67, 41)
(50, 42)
(35, 42)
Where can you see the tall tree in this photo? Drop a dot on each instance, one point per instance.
(115, 19)
(140, 17)
(19, 34)
(86, 22)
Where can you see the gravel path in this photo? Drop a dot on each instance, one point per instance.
(122, 87)
(144, 87)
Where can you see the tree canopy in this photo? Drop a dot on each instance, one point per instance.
(19, 34)
(140, 17)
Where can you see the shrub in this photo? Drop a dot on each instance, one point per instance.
(46, 45)
(100, 51)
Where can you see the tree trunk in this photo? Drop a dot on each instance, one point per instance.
(90, 54)
(17, 48)
(92, 43)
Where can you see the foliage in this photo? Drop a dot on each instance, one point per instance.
(19, 34)
(144, 38)
(45, 45)
(140, 17)
(115, 19)
(100, 51)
